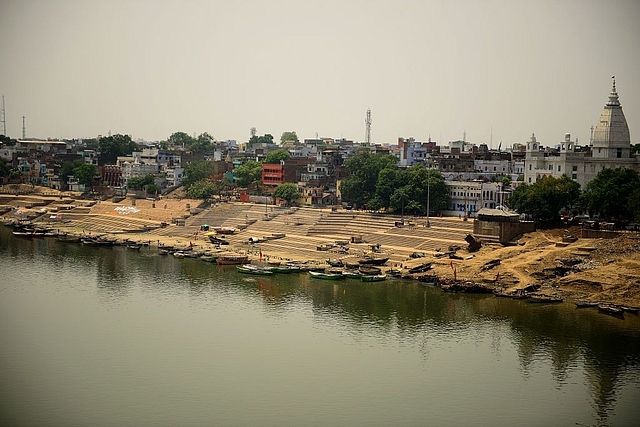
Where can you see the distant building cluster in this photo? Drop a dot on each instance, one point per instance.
(472, 172)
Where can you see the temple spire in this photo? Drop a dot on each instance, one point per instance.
(613, 96)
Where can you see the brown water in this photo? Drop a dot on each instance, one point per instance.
(111, 336)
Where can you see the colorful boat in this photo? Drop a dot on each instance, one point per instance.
(352, 274)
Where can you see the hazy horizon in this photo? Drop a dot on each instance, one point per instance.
(497, 70)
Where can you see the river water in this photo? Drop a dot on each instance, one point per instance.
(111, 336)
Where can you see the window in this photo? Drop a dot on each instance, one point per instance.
(619, 153)
(558, 168)
(574, 169)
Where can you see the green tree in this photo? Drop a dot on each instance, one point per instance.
(289, 136)
(67, 169)
(287, 191)
(635, 149)
(140, 182)
(276, 156)
(113, 146)
(264, 139)
(633, 204)
(152, 189)
(6, 141)
(608, 194)
(86, 174)
(204, 142)
(5, 169)
(363, 168)
(181, 140)
(248, 173)
(197, 170)
(203, 190)
(545, 198)
(426, 184)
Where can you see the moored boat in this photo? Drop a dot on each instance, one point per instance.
(544, 299)
(325, 276)
(373, 261)
(373, 278)
(611, 310)
(232, 259)
(352, 274)
(252, 269)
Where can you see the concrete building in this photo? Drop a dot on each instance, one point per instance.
(610, 147)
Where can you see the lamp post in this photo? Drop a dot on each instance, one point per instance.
(428, 195)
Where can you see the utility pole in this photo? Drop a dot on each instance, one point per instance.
(428, 193)
(24, 128)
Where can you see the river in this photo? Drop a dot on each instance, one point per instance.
(112, 336)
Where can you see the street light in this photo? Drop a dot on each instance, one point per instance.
(428, 195)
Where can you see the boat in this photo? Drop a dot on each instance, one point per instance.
(422, 268)
(374, 278)
(373, 261)
(232, 259)
(585, 304)
(611, 310)
(544, 299)
(163, 252)
(335, 262)
(134, 246)
(209, 258)
(178, 254)
(284, 269)
(65, 238)
(217, 241)
(352, 274)
(252, 269)
(325, 276)
(224, 230)
(369, 270)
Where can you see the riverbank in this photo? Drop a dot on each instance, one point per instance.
(598, 270)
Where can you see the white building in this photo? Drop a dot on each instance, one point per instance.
(610, 147)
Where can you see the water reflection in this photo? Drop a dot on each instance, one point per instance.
(605, 350)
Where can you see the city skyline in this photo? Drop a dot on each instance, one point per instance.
(495, 70)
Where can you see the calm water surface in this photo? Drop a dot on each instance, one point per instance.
(110, 336)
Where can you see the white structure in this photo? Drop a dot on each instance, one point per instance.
(610, 148)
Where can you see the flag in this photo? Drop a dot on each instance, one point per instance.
(451, 264)
(497, 276)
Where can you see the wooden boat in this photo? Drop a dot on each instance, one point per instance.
(373, 261)
(374, 278)
(217, 241)
(420, 268)
(68, 239)
(209, 258)
(352, 274)
(134, 246)
(335, 262)
(224, 230)
(232, 259)
(252, 269)
(544, 299)
(369, 270)
(325, 276)
(585, 304)
(163, 252)
(178, 254)
(611, 310)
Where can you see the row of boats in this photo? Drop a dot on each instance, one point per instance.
(315, 272)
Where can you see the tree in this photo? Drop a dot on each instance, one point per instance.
(4, 168)
(289, 136)
(635, 149)
(181, 139)
(197, 171)
(363, 168)
(203, 190)
(139, 182)
(204, 142)
(86, 174)
(545, 198)
(609, 192)
(152, 189)
(113, 146)
(248, 173)
(67, 169)
(264, 139)
(276, 156)
(6, 141)
(287, 191)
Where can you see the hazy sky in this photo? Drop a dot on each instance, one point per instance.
(151, 68)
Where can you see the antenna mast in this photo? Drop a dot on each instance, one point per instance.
(3, 119)
(24, 129)
(367, 132)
